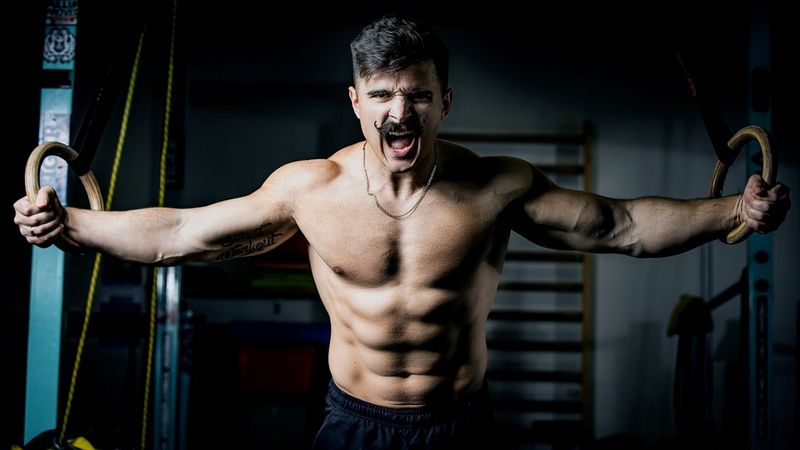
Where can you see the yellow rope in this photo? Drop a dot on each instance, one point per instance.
(161, 189)
(98, 257)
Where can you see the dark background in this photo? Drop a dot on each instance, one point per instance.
(618, 42)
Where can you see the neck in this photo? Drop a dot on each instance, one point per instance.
(403, 184)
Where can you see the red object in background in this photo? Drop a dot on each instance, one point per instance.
(278, 371)
(291, 255)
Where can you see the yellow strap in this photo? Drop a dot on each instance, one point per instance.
(161, 188)
(81, 443)
(98, 257)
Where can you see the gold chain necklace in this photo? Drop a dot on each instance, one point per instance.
(419, 200)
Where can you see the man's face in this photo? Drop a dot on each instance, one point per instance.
(407, 108)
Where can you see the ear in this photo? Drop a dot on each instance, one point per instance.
(351, 91)
(447, 102)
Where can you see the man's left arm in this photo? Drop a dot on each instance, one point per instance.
(644, 227)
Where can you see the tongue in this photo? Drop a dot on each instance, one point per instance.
(401, 142)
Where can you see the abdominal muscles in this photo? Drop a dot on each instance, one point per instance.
(407, 350)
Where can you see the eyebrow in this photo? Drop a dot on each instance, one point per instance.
(403, 92)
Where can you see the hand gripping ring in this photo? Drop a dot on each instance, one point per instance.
(32, 168)
(769, 171)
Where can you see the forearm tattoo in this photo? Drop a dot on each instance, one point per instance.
(243, 244)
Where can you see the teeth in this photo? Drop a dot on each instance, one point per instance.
(400, 133)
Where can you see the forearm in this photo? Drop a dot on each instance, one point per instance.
(645, 227)
(663, 227)
(167, 236)
(148, 236)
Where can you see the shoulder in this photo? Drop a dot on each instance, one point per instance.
(305, 175)
(501, 174)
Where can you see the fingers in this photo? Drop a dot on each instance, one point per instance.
(47, 198)
(27, 213)
(764, 208)
(778, 192)
(763, 222)
(758, 187)
(46, 239)
(39, 221)
(39, 228)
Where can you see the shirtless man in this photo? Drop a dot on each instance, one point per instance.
(407, 236)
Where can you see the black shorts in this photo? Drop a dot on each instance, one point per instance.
(351, 423)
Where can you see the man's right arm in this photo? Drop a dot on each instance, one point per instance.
(243, 226)
(166, 236)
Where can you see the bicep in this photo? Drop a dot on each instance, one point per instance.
(560, 218)
(236, 228)
(242, 226)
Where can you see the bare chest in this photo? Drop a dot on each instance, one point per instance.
(440, 243)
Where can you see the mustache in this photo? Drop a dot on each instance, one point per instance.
(413, 124)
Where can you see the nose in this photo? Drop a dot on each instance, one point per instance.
(400, 108)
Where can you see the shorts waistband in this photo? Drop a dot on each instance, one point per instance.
(468, 405)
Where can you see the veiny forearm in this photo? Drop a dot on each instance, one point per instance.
(663, 227)
(148, 236)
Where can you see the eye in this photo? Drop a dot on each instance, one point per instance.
(421, 96)
(380, 95)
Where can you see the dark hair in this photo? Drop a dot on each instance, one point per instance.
(391, 44)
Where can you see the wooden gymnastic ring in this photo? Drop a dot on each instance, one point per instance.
(769, 171)
(32, 169)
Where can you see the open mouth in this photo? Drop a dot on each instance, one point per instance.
(401, 143)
